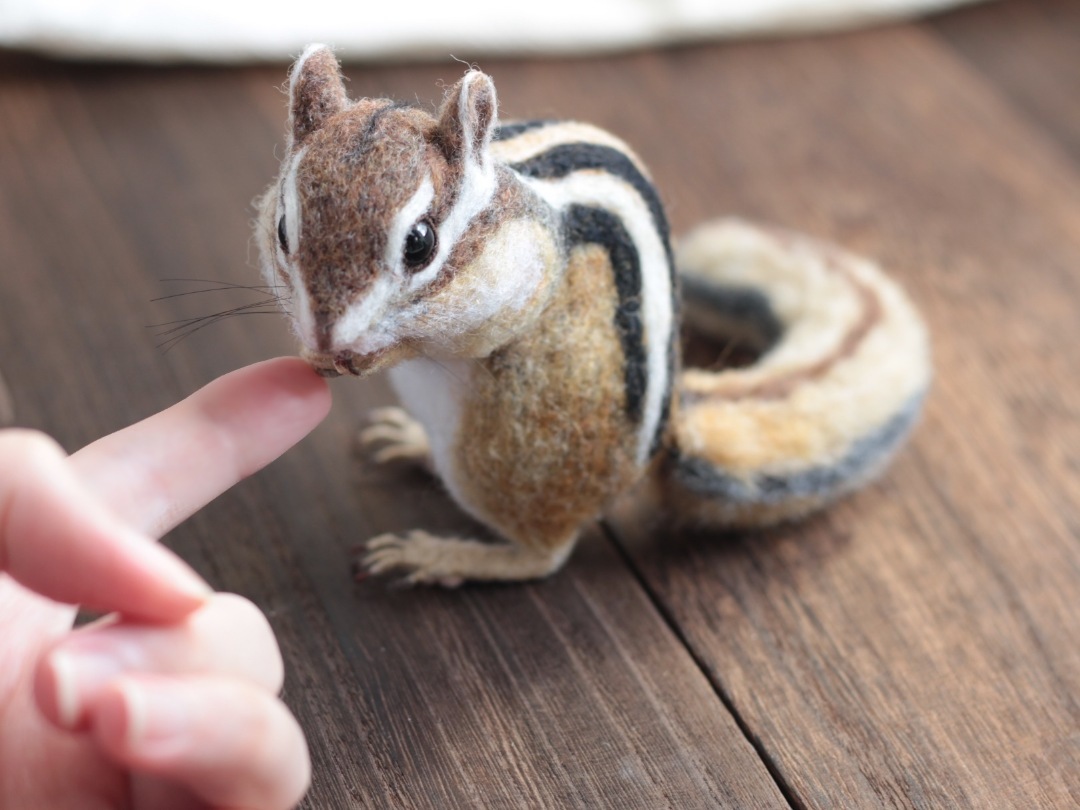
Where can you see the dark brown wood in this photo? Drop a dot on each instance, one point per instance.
(1030, 51)
(916, 646)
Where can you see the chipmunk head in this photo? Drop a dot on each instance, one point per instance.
(377, 209)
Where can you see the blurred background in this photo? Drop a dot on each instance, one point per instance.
(210, 30)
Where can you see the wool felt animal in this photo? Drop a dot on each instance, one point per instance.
(518, 282)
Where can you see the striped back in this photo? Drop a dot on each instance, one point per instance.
(605, 198)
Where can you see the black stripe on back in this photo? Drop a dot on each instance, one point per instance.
(596, 226)
(505, 132)
(567, 158)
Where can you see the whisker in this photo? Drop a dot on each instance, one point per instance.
(171, 342)
(219, 282)
(171, 333)
(477, 364)
(223, 314)
(444, 367)
(261, 290)
(198, 323)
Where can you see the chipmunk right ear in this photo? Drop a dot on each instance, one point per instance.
(468, 117)
(316, 91)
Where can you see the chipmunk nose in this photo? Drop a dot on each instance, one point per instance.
(324, 336)
(324, 330)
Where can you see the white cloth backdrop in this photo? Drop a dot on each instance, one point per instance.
(227, 31)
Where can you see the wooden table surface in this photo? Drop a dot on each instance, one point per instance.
(917, 645)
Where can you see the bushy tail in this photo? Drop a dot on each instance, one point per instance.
(838, 386)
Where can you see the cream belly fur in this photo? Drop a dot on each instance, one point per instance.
(432, 392)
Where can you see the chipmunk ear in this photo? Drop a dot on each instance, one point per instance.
(316, 91)
(468, 117)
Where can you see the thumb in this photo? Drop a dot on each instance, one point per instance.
(60, 542)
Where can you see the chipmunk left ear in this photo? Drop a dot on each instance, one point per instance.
(316, 92)
(467, 118)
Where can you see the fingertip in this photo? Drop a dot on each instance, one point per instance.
(262, 410)
(33, 444)
(258, 644)
(146, 721)
(112, 719)
(54, 691)
(230, 743)
(35, 455)
(299, 379)
(170, 588)
(136, 577)
(294, 377)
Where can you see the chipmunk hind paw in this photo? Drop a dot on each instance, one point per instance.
(426, 559)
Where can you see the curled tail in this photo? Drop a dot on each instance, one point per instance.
(838, 386)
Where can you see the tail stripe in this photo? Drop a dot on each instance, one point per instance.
(749, 306)
(865, 457)
(780, 386)
(823, 409)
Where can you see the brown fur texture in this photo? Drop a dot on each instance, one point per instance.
(364, 159)
(318, 93)
(545, 445)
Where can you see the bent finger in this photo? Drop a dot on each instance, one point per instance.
(156, 473)
(57, 540)
(228, 742)
(228, 636)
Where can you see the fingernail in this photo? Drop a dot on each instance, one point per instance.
(75, 677)
(62, 686)
(154, 717)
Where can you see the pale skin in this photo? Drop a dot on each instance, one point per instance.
(171, 701)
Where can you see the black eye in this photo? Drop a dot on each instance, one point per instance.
(420, 245)
(282, 239)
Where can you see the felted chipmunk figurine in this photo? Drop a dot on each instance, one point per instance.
(518, 282)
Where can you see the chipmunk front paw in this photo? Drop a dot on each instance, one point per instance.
(402, 437)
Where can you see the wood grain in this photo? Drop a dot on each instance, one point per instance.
(1030, 51)
(916, 646)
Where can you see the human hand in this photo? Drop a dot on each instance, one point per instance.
(170, 703)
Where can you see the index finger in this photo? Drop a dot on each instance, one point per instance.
(156, 473)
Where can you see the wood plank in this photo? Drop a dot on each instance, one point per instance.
(572, 693)
(1030, 50)
(917, 645)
